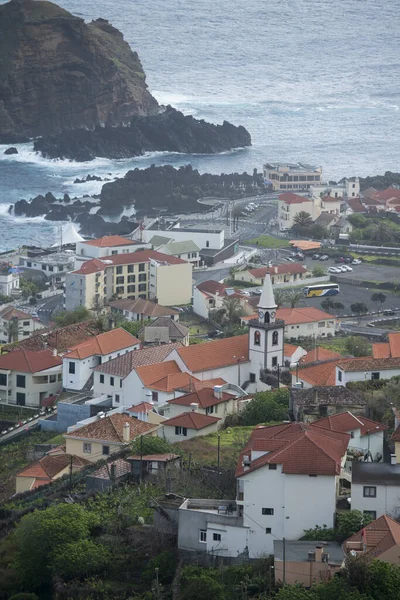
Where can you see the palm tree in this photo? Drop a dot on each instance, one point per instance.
(293, 297)
(12, 329)
(381, 231)
(302, 219)
(232, 310)
(280, 297)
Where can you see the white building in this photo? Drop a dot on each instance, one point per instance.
(16, 325)
(306, 321)
(212, 239)
(291, 176)
(349, 188)
(108, 245)
(210, 295)
(366, 368)
(9, 282)
(142, 310)
(188, 425)
(289, 205)
(375, 489)
(54, 265)
(80, 360)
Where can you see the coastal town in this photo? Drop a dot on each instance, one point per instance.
(241, 385)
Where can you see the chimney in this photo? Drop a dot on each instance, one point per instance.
(318, 553)
(55, 352)
(393, 459)
(218, 391)
(126, 434)
(194, 406)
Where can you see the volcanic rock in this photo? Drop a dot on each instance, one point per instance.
(11, 150)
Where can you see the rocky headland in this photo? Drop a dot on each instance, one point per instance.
(82, 91)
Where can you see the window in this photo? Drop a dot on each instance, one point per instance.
(116, 398)
(207, 244)
(142, 277)
(120, 381)
(142, 287)
(267, 511)
(209, 410)
(154, 396)
(120, 280)
(370, 513)
(272, 467)
(339, 375)
(252, 377)
(131, 289)
(181, 431)
(268, 530)
(87, 448)
(203, 536)
(52, 379)
(131, 268)
(71, 368)
(275, 338)
(119, 270)
(131, 278)
(21, 381)
(111, 380)
(25, 323)
(106, 450)
(114, 251)
(142, 267)
(101, 378)
(369, 491)
(119, 290)
(20, 399)
(28, 264)
(216, 537)
(3, 379)
(375, 375)
(312, 475)
(257, 338)
(274, 361)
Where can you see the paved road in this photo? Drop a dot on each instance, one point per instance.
(46, 310)
(213, 274)
(359, 330)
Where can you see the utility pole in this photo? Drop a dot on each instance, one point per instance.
(219, 451)
(141, 459)
(284, 560)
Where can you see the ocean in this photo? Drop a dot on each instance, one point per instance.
(312, 80)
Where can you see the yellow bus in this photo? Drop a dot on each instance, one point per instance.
(323, 289)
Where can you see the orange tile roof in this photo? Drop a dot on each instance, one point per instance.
(196, 384)
(95, 265)
(394, 343)
(175, 381)
(305, 244)
(215, 354)
(319, 354)
(142, 407)
(368, 363)
(27, 361)
(287, 268)
(331, 199)
(204, 398)
(307, 314)
(103, 344)
(289, 349)
(299, 448)
(323, 374)
(108, 241)
(144, 307)
(289, 198)
(123, 365)
(378, 537)
(10, 312)
(110, 429)
(141, 256)
(346, 422)
(191, 420)
(387, 194)
(381, 350)
(152, 373)
(51, 465)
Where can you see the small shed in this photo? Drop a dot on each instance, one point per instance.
(153, 464)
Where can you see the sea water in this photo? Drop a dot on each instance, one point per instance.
(315, 81)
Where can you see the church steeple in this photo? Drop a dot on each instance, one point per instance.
(267, 305)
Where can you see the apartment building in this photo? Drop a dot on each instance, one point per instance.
(348, 188)
(289, 205)
(292, 176)
(55, 265)
(144, 274)
(108, 245)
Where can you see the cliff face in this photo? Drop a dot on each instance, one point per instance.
(58, 73)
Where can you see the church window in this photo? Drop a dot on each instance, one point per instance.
(266, 318)
(275, 338)
(257, 338)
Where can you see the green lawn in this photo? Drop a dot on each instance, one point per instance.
(268, 241)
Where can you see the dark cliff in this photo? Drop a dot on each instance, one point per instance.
(58, 73)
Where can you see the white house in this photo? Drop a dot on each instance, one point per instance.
(207, 401)
(375, 489)
(212, 239)
(80, 360)
(188, 425)
(366, 368)
(107, 245)
(16, 325)
(142, 310)
(349, 188)
(366, 436)
(27, 378)
(9, 280)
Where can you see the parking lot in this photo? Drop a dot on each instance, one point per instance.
(362, 272)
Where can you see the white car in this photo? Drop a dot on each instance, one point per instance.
(343, 268)
(356, 261)
(334, 270)
(346, 268)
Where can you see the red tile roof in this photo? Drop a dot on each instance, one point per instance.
(29, 362)
(204, 398)
(10, 312)
(319, 354)
(287, 268)
(368, 363)
(175, 381)
(95, 265)
(191, 420)
(289, 349)
(152, 373)
(346, 422)
(378, 537)
(123, 365)
(356, 205)
(388, 194)
(212, 287)
(299, 448)
(195, 384)
(120, 467)
(394, 343)
(142, 407)
(307, 314)
(215, 354)
(381, 350)
(289, 198)
(142, 256)
(144, 307)
(109, 241)
(50, 466)
(110, 429)
(58, 338)
(323, 374)
(331, 199)
(103, 344)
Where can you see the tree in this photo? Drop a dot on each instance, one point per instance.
(338, 306)
(359, 309)
(38, 534)
(349, 522)
(266, 406)
(28, 288)
(280, 296)
(357, 345)
(80, 558)
(303, 219)
(69, 317)
(318, 271)
(380, 231)
(232, 310)
(378, 298)
(12, 329)
(293, 298)
(152, 445)
(328, 304)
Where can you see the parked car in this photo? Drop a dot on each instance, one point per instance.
(315, 256)
(388, 312)
(347, 268)
(340, 259)
(356, 261)
(348, 259)
(324, 257)
(342, 268)
(334, 270)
